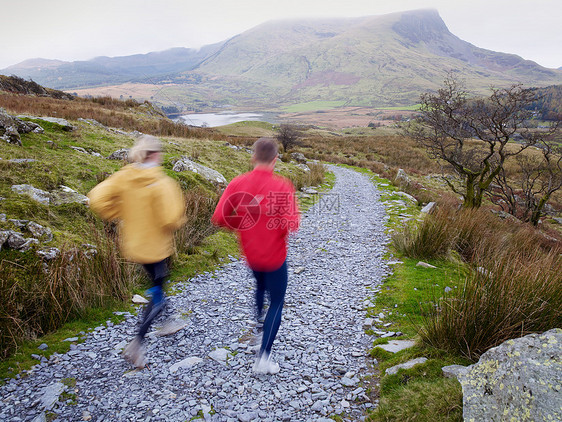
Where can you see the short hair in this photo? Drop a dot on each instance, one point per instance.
(265, 150)
(144, 145)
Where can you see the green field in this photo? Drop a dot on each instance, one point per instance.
(313, 106)
(414, 107)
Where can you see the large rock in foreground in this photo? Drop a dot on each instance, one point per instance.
(520, 380)
(186, 164)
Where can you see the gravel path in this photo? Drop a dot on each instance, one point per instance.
(321, 346)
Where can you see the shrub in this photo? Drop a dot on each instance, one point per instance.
(514, 287)
(509, 297)
(36, 300)
(200, 206)
(432, 239)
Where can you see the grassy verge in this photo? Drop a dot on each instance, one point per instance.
(477, 296)
(420, 393)
(28, 351)
(207, 256)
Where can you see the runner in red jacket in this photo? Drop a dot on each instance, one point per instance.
(261, 208)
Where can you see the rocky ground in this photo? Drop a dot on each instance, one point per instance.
(205, 368)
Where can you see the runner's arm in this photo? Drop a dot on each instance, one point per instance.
(225, 207)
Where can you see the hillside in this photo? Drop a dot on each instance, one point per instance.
(16, 85)
(110, 70)
(375, 61)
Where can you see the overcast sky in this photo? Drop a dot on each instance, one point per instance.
(83, 29)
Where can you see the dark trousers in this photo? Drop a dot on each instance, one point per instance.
(275, 283)
(157, 272)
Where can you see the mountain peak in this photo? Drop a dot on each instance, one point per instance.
(421, 25)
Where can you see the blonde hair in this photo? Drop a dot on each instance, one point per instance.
(143, 146)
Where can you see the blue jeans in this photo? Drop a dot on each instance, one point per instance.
(157, 272)
(275, 283)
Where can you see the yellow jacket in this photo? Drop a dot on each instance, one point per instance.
(150, 207)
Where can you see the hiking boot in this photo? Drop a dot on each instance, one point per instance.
(134, 353)
(265, 365)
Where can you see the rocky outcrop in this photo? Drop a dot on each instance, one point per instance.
(402, 178)
(15, 240)
(120, 154)
(519, 380)
(21, 86)
(62, 195)
(407, 196)
(40, 232)
(185, 164)
(453, 371)
(303, 167)
(84, 151)
(11, 127)
(57, 120)
(66, 195)
(429, 208)
(406, 365)
(298, 157)
(48, 254)
(38, 195)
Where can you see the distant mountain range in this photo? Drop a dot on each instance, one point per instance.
(375, 61)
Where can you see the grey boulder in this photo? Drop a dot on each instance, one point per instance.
(120, 154)
(66, 195)
(11, 127)
(298, 157)
(39, 231)
(185, 164)
(36, 194)
(519, 380)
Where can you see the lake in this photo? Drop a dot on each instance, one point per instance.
(224, 118)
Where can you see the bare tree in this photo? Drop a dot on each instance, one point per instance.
(471, 135)
(288, 135)
(539, 176)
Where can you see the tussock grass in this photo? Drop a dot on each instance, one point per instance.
(509, 297)
(430, 240)
(199, 209)
(514, 287)
(36, 300)
(314, 177)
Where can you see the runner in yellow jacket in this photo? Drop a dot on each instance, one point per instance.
(149, 207)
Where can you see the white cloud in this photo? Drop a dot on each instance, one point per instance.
(79, 30)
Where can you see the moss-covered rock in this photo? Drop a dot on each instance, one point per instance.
(520, 380)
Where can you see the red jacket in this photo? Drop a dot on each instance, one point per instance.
(262, 209)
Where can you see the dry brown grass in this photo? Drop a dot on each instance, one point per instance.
(199, 209)
(36, 300)
(514, 287)
(128, 114)
(380, 153)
